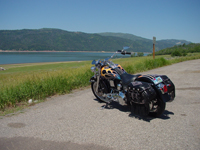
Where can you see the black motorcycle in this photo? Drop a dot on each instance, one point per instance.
(145, 94)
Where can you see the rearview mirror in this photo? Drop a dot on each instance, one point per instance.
(93, 62)
(126, 47)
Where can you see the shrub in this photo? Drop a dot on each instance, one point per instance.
(176, 53)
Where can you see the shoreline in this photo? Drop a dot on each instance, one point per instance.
(65, 51)
(55, 51)
(37, 63)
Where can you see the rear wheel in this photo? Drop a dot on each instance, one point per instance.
(158, 108)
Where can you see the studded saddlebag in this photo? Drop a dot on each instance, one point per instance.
(141, 92)
(150, 78)
(165, 80)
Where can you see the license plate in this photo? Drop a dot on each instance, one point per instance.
(157, 80)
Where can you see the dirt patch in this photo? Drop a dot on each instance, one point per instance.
(197, 71)
(20, 143)
(189, 88)
(16, 125)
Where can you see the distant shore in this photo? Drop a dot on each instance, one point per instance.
(18, 57)
(56, 51)
(64, 51)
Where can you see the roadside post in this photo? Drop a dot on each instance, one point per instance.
(154, 42)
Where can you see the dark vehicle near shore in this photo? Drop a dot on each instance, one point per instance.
(145, 94)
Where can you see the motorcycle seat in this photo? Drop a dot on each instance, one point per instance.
(128, 78)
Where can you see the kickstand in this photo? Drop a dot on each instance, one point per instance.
(104, 106)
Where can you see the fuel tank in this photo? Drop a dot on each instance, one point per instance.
(111, 74)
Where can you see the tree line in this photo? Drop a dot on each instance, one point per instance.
(180, 50)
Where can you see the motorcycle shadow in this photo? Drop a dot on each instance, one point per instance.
(126, 108)
(148, 118)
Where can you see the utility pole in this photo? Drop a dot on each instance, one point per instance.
(154, 42)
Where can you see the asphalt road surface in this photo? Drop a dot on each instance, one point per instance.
(76, 121)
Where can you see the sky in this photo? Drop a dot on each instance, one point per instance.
(164, 19)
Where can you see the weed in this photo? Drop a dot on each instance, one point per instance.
(40, 81)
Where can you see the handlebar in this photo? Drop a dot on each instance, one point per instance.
(124, 52)
(129, 53)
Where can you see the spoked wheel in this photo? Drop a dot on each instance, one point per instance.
(158, 108)
(102, 89)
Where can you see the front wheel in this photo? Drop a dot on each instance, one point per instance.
(102, 90)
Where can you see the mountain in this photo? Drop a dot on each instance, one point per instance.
(124, 35)
(58, 40)
(147, 43)
(61, 40)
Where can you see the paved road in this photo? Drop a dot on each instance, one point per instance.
(76, 121)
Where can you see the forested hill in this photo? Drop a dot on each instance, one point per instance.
(61, 40)
(147, 43)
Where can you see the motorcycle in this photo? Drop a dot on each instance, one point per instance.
(145, 94)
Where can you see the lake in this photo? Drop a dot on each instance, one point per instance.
(35, 57)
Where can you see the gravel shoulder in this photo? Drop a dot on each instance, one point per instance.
(76, 120)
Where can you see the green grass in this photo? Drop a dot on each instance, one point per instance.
(21, 82)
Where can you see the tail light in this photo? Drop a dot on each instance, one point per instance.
(163, 88)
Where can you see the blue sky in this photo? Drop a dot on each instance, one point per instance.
(165, 19)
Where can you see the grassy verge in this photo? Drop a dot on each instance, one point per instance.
(19, 83)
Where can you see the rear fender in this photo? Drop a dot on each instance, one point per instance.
(167, 97)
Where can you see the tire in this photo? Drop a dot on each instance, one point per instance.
(102, 89)
(160, 108)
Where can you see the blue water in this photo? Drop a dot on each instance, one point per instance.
(35, 57)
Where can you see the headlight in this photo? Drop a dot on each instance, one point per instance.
(93, 69)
